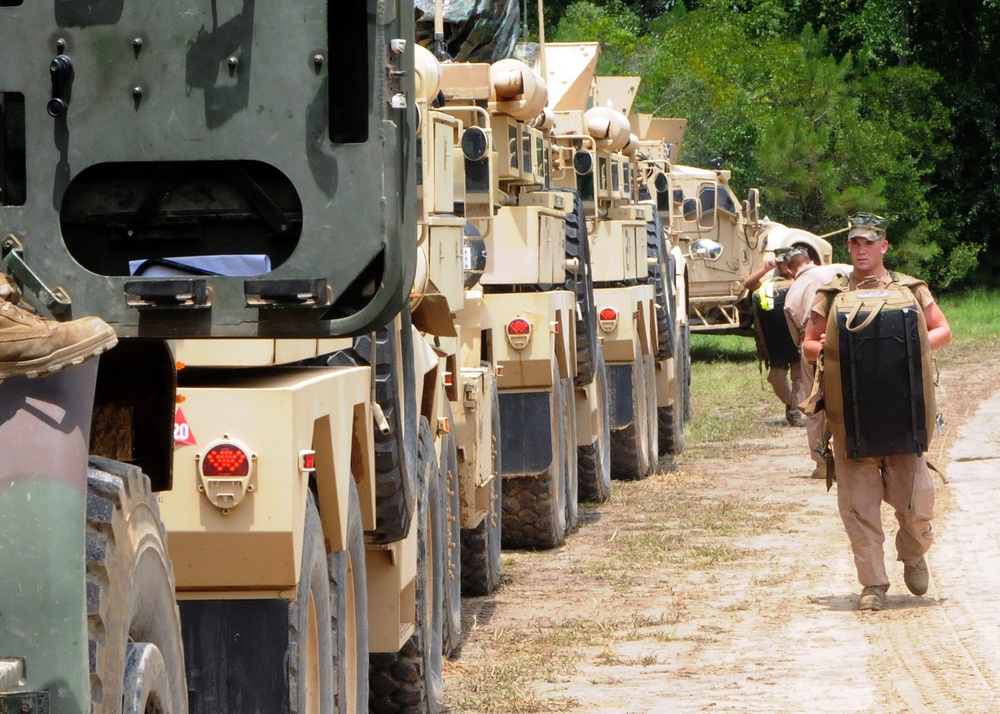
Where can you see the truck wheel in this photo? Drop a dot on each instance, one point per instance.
(652, 427)
(349, 614)
(661, 277)
(685, 349)
(133, 624)
(453, 543)
(595, 459)
(310, 653)
(410, 681)
(394, 460)
(581, 283)
(534, 506)
(670, 419)
(572, 470)
(630, 444)
(481, 545)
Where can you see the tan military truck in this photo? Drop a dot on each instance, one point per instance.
(596, 154)
(673, 368)
(703, 205)
(234, 190)
(537, 290)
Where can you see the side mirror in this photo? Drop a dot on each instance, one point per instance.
(753, 199)
(705, 249)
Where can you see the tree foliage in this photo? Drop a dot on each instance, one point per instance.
(829, 106)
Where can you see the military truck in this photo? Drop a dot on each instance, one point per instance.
(234, 191)
(589, 158)
(703, 205)
(673, 368)
(538, 291)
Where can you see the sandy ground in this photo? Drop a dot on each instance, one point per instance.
(776, 629)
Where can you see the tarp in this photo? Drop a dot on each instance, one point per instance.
(474, 30)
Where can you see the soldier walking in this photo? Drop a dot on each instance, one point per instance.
(808, 278)
(900, 479)
(785, 377)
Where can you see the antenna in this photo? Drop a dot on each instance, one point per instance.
(541, 39)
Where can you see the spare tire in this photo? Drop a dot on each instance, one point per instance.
(581, 283)
(661, 277)
(395, 461)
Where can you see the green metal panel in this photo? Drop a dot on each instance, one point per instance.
(161, 90)
(44, 435)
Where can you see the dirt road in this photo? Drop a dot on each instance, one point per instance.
(726, 584)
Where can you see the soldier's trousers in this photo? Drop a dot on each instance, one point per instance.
(815, 423)
(786, 391)
(902, 481)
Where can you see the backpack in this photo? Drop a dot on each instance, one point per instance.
(774, 341)
(877, 374)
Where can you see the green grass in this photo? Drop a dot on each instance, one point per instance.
(974, 316)
(731, 398)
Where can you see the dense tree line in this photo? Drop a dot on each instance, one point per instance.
(829, 106)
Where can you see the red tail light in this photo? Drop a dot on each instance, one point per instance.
(607, 319)
(226, 459)
(518, 333)
(519, 326)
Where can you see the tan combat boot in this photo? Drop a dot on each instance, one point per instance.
(32, 346)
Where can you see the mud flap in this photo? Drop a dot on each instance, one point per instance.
(525, 432)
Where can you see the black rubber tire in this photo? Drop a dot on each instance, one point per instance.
(686, 362)
(349, 614)
(310, 654)
(661, 278)
(395, 459)
(594, 460)
(452, 587)
(410, 681)
(670, 419)
(670, 422)
(534, 506)
(652, 428)
(572, 469)
(581, 283)
(133, 624)
(481, 571)
(630, 448)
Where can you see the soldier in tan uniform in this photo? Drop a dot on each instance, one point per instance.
(808, 278)
(33, 346)
(901, 480)
(785, 379)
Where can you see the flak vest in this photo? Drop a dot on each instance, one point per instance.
(877, 371)
(774, 341)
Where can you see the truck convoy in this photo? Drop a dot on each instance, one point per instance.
(378, 314)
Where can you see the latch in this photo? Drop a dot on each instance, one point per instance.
(61, 73)
(470, 400)
(56, 300)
